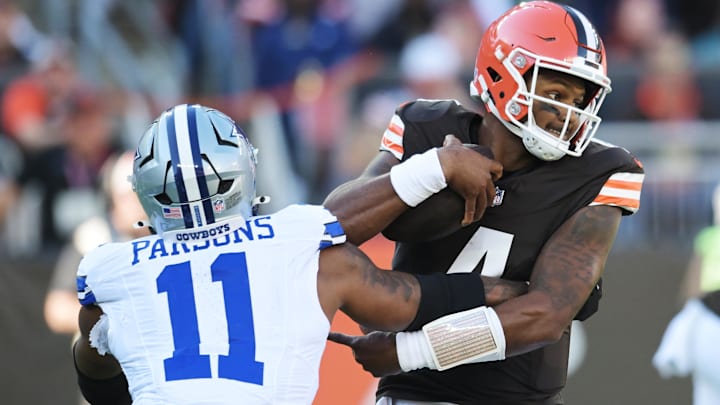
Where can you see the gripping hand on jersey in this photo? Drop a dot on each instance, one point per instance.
(469, 174)
(375, 351)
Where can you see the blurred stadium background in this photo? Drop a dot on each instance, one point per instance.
(80, 80)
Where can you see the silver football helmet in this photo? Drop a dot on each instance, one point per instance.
(194, 167)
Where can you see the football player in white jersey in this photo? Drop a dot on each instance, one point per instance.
(222, 306)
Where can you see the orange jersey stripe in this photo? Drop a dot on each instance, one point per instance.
(394, 128)
(617, 201)
(392, 145)
(625, 185)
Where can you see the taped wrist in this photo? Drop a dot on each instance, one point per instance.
(417, 178)
(443, 294)
(413, 351)
(471, 336)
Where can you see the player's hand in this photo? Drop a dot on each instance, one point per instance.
(375, 352)
(470, 174)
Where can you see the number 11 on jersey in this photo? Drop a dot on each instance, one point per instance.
(230, 269)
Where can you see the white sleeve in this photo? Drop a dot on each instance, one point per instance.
(99, 273)
(85, 294)
(314, 221)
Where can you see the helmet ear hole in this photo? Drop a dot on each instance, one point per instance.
(494, 75)
(163, 199)
(225, 186)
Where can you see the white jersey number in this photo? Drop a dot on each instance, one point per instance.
(489, 243)
(230, 269)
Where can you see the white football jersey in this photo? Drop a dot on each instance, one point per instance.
(227, 314)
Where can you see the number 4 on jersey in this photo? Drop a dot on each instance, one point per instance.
(492, 244)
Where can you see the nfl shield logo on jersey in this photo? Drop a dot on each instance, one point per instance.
(499, 194)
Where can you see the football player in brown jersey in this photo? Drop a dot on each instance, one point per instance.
(550, 220)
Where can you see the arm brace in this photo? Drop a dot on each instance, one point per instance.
(443, 294)
(471, 336)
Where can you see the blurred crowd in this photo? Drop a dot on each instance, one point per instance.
(315, 81)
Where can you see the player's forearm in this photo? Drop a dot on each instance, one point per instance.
(541, 316)
(564, 275)
(528, 323)
(498, 290)
(92, 364)
(386, 189)
(100, 378)
(365, 206)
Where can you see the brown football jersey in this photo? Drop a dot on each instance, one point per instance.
(530, 204)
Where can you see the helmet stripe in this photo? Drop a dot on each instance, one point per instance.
(199, 167)
(587, 36)
(190, 164)
(177, 168)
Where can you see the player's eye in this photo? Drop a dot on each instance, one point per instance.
(557, 96)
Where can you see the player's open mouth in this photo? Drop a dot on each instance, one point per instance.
(554, 132)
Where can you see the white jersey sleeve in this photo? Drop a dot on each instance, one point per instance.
(221, 315)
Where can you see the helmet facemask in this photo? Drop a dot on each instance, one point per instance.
(517, 48)
(519, 109)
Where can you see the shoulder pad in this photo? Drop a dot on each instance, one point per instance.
(422, 110)
(309, 218)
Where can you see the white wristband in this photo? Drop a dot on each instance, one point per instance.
(419, 177)
(413, 351)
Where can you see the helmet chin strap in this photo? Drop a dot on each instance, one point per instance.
(540, 148)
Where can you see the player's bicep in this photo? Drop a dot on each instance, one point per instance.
(381, 164)
(366, 205)
(572, 261)
(88, 316)
(380, 299)
(339, 198)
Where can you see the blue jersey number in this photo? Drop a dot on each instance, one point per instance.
(186, 362)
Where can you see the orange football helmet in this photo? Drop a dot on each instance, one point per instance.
(529, 37)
